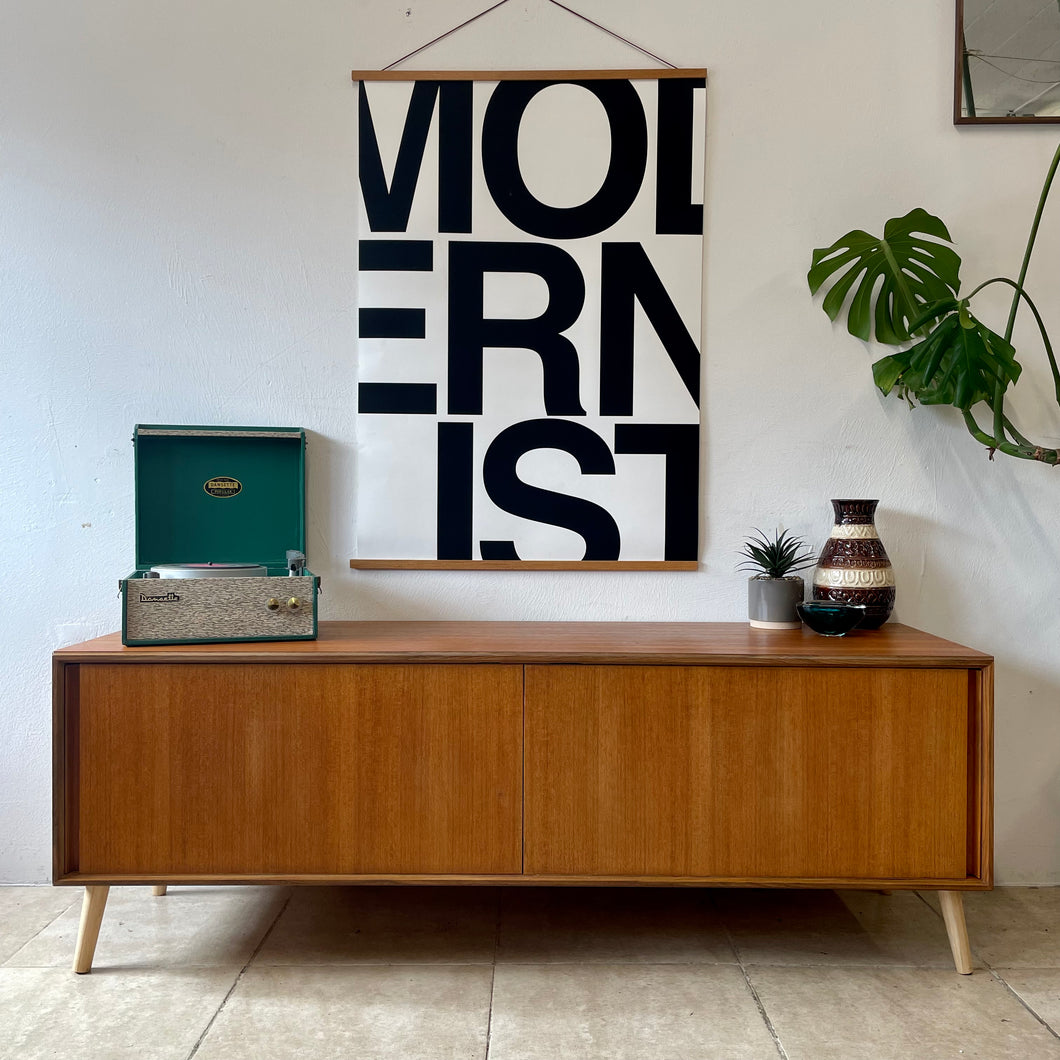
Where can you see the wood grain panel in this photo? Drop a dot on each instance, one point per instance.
(654, 643)
(65, 694)
(746, 772)
(297, 769)
(870, 883)
(524, 75)
(981, 774)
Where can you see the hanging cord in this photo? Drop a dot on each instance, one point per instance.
(612, 33)
(555, 3)
(442, 36)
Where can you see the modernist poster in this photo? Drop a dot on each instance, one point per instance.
(529, 286)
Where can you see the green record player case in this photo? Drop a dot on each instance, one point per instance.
(219, 496)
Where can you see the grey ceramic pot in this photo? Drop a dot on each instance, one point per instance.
(771, 602)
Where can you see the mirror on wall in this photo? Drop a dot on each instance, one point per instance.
(1008, 62)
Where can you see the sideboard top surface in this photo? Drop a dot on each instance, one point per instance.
(663, 643)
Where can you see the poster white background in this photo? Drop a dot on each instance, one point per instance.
(564, 154)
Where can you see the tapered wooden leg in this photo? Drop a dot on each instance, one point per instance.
(92, 907)
(957, 930)
(160, 889)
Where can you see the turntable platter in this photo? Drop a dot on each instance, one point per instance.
(209, 570)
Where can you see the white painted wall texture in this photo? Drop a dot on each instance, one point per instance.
(177, 204)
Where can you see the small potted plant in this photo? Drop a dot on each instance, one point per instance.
(775, 589)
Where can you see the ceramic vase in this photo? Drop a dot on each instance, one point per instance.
(853, 567)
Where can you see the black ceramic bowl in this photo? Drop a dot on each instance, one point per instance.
(829, 618)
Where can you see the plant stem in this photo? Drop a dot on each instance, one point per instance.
(1016, 436)
(1021, 293)
(1030, 243)
(999, 412)
(1023, 451)
(1000, 420)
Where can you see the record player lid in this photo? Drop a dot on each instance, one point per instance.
(218, 494)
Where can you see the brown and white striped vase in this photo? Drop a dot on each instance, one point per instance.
(853, 567)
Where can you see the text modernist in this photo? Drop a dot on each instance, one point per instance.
(529, 288)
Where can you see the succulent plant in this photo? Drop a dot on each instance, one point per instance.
(776, 557)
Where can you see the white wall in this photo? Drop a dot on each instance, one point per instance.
(177, 198)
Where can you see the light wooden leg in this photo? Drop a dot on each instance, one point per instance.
(92, 907)
(957, 930)
(160, 889)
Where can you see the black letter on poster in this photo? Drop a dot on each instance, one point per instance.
(508, 491)
(388, 208)
(675, 213)
(627, 274)
(469, 333)
(625, 170)
(679, 442)
(455, 482)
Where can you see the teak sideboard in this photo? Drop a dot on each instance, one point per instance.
(531, 753)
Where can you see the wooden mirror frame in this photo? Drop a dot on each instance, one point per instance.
(959, 75)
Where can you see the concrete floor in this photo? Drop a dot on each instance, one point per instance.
(557, 974)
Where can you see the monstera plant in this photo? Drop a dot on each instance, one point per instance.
(904, 290)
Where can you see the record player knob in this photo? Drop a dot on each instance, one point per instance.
(294, 604)
(272, 604)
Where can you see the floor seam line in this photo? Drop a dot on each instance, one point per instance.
(1004, 982)
(781, 1051)
(238, 979)
(36, 935)
(999, 977)
(493, 977)
(489, 1015)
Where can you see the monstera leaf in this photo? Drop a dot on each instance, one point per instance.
(915, 271)
(960, 363)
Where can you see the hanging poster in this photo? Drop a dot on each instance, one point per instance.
(529, 302)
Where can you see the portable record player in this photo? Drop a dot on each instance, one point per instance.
(220, 537)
